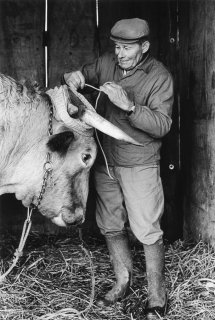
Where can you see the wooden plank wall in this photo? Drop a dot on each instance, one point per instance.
(21, 37)
(198, 117)
(71, 36)
(74, 39)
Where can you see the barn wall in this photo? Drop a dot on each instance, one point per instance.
(71, 36)
(21, 38)
(198, 117)
(74, 39)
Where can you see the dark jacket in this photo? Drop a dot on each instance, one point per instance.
(150, 86)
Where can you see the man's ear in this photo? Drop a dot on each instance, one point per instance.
(145, 46)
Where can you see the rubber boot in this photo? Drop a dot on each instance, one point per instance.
(157, 295)
(121, 259)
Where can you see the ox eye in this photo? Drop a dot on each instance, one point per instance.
(85, 157)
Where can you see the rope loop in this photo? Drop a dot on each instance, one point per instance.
(19, 251)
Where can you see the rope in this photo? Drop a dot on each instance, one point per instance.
(96, 133)
(19, 250)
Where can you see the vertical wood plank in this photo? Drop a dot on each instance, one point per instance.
(71, 36)
(200, 112)
(21, 38)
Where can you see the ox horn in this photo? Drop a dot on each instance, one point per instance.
(93, 119)
(89, 117)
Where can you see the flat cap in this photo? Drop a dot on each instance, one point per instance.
(129, 30)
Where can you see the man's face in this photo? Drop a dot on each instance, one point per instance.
(128, 55)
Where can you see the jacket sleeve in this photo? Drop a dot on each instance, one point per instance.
(90, 72)
(154, 118)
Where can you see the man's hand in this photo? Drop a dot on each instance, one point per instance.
(75, 79)
(118, 96)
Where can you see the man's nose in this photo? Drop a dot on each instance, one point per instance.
(121, 53)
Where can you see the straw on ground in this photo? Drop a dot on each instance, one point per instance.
(58, 279)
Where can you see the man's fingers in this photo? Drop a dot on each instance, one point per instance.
(81, 79)
(75, 79)
(108, 87)
(111, 88)
(72, 109)
(114, 85)
(104, 89)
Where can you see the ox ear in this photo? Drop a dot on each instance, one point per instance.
(60, 142)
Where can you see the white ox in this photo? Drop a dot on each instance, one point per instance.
(25, 118)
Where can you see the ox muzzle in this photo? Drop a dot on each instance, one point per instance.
(69, 218)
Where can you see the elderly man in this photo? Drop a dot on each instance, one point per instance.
(137, 96)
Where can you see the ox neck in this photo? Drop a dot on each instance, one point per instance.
(23, 149)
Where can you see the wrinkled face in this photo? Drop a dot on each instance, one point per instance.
(128, 55)
(65, 198)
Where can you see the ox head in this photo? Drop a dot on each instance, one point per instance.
(24, 145)
(65, 197)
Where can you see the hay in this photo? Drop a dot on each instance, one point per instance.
(58, 278)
